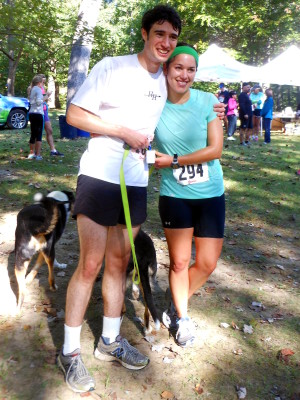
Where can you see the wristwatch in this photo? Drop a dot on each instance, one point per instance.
(175, 163)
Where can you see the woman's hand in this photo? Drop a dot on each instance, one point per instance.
(162, 160)
(219, 108)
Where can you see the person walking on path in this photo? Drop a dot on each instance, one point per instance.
(267, 114)
(232, 114)
(245, 114)
(189, 139)
(36, 118)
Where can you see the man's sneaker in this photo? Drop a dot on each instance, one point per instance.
(31, 156)
(169, 317)
(121, 351)
(185, 334)
(77, 376)
(56, 153)
(230, 138)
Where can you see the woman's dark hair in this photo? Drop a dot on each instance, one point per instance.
(179, 44)
(159, 14)
(232, 92)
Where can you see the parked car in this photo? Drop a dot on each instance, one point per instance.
(14, 111)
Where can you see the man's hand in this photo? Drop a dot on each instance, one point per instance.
(246, 116)
(219, 108)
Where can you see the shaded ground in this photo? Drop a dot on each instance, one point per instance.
(220, 360)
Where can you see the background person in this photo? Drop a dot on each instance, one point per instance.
(245, 114)
(232, 114)
(189, 139)
(267, 114)
(257, 99)
(223, 96)
(36, 118)
(47, 122)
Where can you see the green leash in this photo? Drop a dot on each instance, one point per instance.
(136, 273)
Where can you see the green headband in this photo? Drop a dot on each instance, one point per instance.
(185, 50)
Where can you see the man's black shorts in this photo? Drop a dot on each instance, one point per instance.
(102, 202)
(246, 123)
(206, 216)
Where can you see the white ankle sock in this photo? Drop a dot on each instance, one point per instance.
(111, 328)
(72, 339)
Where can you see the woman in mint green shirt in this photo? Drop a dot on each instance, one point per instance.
(189, 139)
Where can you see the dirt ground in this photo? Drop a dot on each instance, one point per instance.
(221, 361)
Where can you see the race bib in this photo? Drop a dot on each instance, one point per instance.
(190, 174)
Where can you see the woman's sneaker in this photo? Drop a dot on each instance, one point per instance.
(77, 376)
(38, 158)
(121, 351)
(185, 335)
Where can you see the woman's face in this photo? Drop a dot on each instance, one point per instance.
(181, 73)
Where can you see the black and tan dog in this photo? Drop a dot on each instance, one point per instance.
(39, 227)
(147, 263)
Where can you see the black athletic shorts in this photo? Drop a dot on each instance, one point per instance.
(246, 123)
(206, 216)
(102, 202)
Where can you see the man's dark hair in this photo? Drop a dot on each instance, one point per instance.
(246, 84)
(159, 14)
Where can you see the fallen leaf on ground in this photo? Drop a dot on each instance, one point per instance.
(167, 395)
(248, 329)
(284, 355)
(241, 392)
(238, 352)
(27, 327)
(210, 289)
(224, 325)
(234, 326)
(199, 389)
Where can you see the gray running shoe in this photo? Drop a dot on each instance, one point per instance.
(77, 376)
(169, 317)
(185, 334)
(121, 351)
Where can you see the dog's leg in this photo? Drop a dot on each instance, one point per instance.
(20, 273)
(50, 262)
(147, 326)
(148, 300)
(32, 274)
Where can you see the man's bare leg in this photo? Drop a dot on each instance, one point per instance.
(92, 237)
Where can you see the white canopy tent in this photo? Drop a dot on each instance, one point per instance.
(283, 69)
(216, 65)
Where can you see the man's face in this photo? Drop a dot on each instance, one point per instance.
(160, 42)
(246, 88)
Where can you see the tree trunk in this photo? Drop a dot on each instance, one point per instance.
(82, 45)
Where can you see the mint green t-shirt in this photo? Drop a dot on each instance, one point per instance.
(182, 129)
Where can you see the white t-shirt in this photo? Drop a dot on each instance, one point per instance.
(119, 90)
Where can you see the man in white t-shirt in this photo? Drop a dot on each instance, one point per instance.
(119, 103)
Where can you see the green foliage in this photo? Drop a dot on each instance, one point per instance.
(42, 33)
